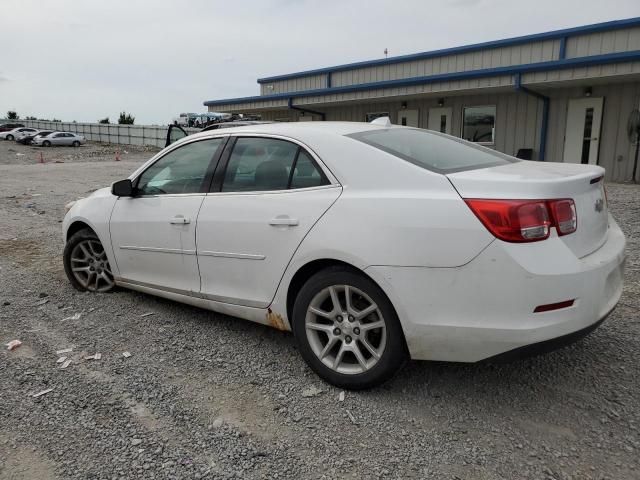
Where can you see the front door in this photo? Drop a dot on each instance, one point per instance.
(271, 193)
(582, 137)
(440, 119)
(154, 232)
(408, 118)
(174, 133)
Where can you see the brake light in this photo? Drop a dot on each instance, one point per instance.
(564, 216)
(522, 221)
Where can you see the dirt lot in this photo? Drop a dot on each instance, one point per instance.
(208, 396)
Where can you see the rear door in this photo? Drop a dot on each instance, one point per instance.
(57, 139)
(266, 196)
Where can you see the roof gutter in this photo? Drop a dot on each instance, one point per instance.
(545, 114)
(305, 110)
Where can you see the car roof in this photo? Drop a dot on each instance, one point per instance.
(300, 130)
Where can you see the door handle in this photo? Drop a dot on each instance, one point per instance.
(179, 220)
(284, 220)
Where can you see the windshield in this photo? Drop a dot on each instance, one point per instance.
(432, 150)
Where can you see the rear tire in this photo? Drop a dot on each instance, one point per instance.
(353, 344)
(76, 143)
(9, 137)
(86, 263)
(46, 143)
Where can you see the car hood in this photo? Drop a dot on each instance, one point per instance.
(101, 192)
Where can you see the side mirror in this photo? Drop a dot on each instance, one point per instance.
(122, 188)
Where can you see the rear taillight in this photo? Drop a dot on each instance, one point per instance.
(525, 220)
(564, 216)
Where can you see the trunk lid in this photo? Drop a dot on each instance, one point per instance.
(542, 181)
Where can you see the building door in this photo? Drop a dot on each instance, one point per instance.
(582, 135)
(408, 118)
(440, 119)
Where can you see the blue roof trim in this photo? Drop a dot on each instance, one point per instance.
(405, 82)
(594, 28)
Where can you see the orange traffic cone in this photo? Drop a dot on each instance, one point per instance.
(117, 155)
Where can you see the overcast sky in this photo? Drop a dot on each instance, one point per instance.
(84, 60)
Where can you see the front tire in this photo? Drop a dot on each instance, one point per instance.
(86, 263)
(347, 329)
(76, 143)
(9, 137)
(46, 143)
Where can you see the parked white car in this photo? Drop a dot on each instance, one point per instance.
(373, 243)
(16, 132)
(59, 138)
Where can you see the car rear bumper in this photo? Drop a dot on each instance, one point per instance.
(486, 307)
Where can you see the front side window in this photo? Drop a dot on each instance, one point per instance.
(262, 164)
(431, 150)
(182, 170)
(479, 124)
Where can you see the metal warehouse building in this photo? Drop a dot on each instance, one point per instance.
(563, 96)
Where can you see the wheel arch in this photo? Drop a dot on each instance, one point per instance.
(75, 227)
(306, 271)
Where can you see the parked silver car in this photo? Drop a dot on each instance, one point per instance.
(59, 138)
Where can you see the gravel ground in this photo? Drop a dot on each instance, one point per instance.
(208, 396)
(12, 153)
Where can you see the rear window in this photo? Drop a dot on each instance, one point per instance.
(432, 150)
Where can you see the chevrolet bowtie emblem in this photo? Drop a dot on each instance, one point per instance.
(599, 206)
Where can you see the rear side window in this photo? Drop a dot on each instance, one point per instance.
(432, 150)
(305, 173)
(263, 164)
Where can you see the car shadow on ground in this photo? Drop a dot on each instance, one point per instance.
(569, 369)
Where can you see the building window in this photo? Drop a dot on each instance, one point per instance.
(479, 124)
(370, 117)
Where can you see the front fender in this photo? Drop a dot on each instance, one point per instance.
(95, 212)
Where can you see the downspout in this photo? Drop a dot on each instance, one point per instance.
(545, 115)
(305, 110)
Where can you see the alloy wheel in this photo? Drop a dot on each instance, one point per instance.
(345, 329)
(90, 266)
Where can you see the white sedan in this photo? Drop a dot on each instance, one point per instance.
(17, 132)
(372, 243)
(59, 138)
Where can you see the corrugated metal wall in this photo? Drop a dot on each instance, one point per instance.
(519, 118)
(616, 153)
(622, 40)
(496, 57)
(294, 85)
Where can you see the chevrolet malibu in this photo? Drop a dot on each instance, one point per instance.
(372, 243)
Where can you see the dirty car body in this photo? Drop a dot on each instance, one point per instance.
(380, 238)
